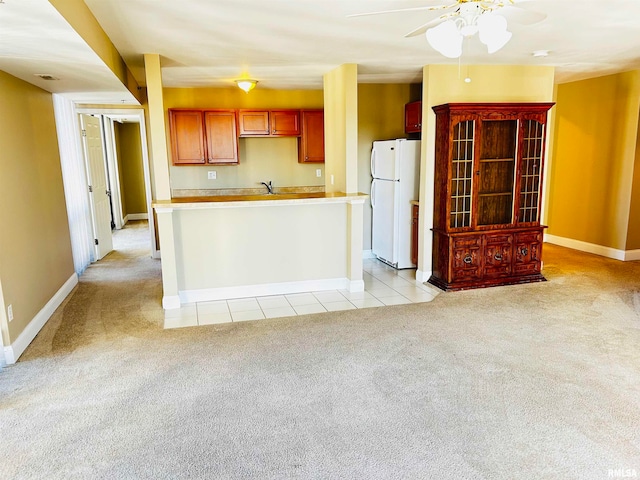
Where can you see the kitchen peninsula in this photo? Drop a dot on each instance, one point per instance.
(222, 247)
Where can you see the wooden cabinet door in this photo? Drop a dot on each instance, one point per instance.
(253, 122)
(311, 143)
(285, 122)
(187, 137)
(466, 258)
(528, 253)
(221, 135)
(497, 255)
(414, 233)
(413, 117)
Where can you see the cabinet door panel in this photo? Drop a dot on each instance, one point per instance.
(413, 117)
(497, 259)
(187, 137)
(311, 143)
(222, 140)
(253, 122)
(285, 122)
(528, 253)
(414, 233)
(466, 261)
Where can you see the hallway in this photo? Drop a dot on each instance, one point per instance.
(117, 297)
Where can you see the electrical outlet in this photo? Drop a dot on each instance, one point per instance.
(331, 179)
(10, 312)
(212, 175)
(318, 172)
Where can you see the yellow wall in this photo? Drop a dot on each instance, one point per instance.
(131, 168)
(35, 249)
(445, 84)
(380, 117)
(261, 159)
(233, 97)
(633, 236)
(116, 137)
(341, 129)
(594, 154)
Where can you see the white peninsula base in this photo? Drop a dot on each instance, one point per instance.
(233, 247)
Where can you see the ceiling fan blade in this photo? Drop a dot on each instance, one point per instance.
(520, 15)
(413, 9)
(423, 28)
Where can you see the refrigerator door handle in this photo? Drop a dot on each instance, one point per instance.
(373, 162)
(373, 185)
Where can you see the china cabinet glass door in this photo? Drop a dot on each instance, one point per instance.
(533, 143)
(462, 174)
(496, 172)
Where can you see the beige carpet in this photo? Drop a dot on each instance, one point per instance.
(537, 381)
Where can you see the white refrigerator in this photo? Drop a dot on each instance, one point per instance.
(395, 168)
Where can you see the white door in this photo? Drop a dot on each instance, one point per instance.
(384, 220)
(98, 187)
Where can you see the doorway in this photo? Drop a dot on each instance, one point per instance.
(130, 123)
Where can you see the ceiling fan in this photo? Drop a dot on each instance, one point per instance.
(465, 18)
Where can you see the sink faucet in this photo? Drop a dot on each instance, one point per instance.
(269, 187)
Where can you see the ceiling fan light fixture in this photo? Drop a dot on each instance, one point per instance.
(446, 39)
(492, 31)
(246, 84)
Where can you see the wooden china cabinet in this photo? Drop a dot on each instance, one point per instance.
(488, 181)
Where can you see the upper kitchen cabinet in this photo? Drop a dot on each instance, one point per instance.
(273, 123)
(252, 122)
(311, 141)
(285, 122)
(222, 137)
(187, 137)
(413, 117)
(203, 137)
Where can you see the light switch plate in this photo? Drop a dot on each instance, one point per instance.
(10, 312)
(212, 175)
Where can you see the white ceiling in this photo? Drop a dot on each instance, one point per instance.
(291, 43)
(36, 39)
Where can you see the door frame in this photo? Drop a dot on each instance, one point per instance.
(138, 115)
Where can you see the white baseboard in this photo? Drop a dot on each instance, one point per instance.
(367, 254)
(169, 302)
(262, 290)
(356, 286)
(593, 248)
(631, 255)
(136, 216)
(17, 348)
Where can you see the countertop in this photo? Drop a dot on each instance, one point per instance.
(218, 201)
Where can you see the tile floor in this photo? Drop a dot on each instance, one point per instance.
(383, 285)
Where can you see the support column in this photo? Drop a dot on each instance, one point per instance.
(341, 129)
(355, 212)
(157, 129)
(170, 296)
